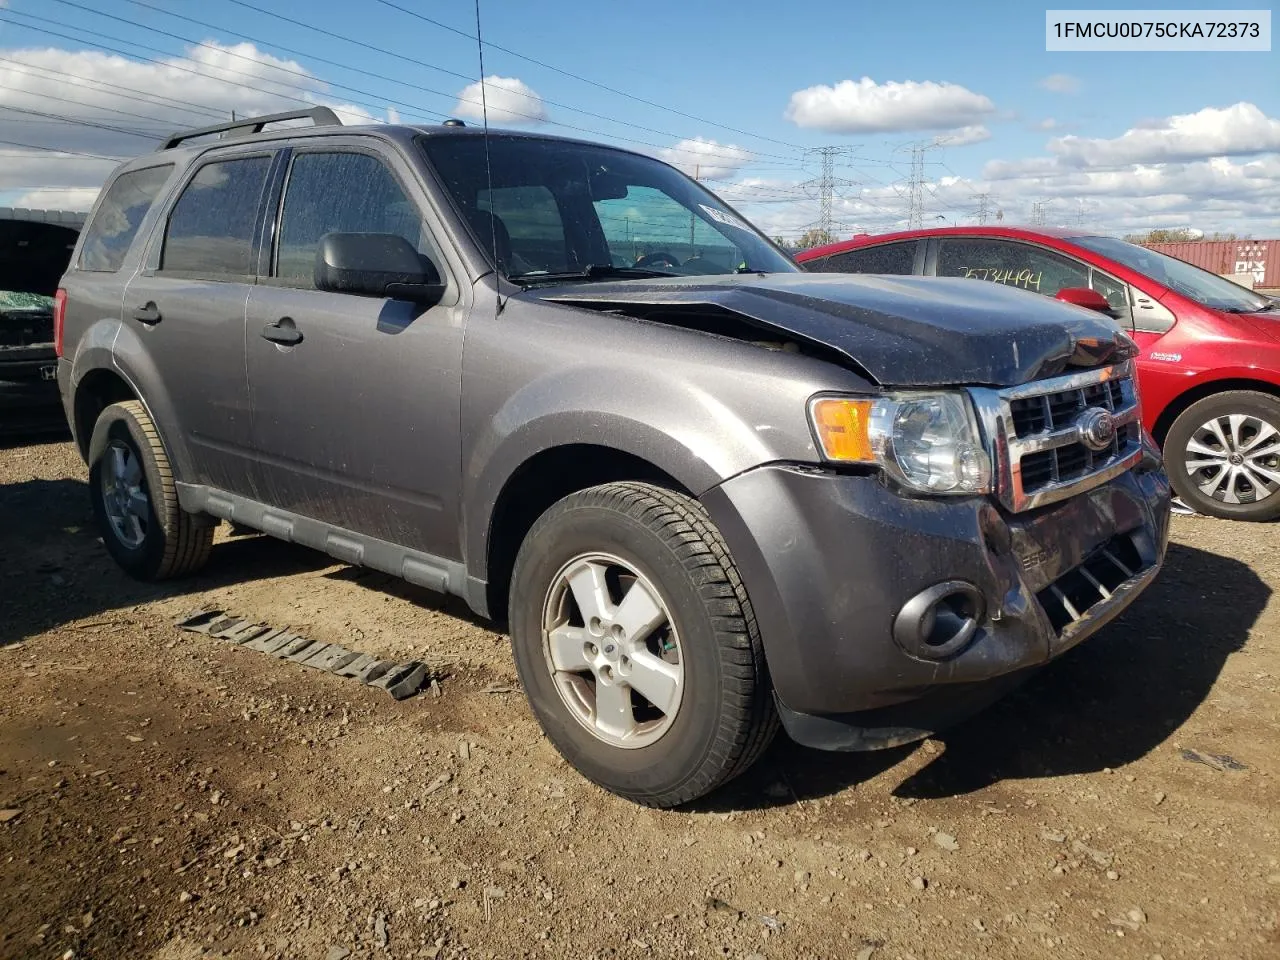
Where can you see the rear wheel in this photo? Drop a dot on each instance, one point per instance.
(136, 501)
(1223, 455)
(637, 646)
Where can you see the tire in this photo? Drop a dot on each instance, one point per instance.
(151, 540)
(1249, 422)
(722, 716)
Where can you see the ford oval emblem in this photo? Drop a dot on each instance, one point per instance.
(1096, 428)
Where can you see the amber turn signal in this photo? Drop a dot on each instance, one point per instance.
(841, 425)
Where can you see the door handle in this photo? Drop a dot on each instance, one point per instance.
(149, 313)
(282, 332)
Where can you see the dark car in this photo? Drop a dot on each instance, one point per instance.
(1210, 349)
(35, 249)
(706, 491)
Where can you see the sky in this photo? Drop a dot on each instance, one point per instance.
(742, 95)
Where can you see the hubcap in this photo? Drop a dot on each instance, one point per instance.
(612, 650)
(1235, 459)
(124, 494)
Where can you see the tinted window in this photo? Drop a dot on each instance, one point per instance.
(108, 236)
(533, 224)
(340, 193)
(1013, 264)
(210, 230)
(894, 258)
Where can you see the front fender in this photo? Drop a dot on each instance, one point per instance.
(671, 420)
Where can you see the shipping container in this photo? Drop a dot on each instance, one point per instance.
(1259, 259)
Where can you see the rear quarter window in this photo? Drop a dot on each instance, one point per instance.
(890, 258)
(108, 236)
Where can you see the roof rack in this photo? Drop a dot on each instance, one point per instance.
(319, 116)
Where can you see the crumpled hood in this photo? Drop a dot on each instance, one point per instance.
(902, 331)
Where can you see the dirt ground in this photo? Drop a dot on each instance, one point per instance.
(166, 795)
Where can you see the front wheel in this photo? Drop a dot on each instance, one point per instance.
(1223, 456)
(637, 645)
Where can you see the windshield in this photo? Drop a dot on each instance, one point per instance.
(552, 208)
(15, 300)
(1203, 287)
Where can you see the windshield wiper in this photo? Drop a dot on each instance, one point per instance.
(592, 271)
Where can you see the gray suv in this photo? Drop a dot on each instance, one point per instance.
(706, 491)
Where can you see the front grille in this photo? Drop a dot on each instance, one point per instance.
(1042, 446)
(1070, 597)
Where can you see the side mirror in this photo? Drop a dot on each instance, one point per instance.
(376, 265)
(1084, 297)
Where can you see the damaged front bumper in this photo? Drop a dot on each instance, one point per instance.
(885, 618)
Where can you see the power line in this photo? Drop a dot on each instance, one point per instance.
(169, 64)
(462, 76)
(60, 150)
(78, 103)
(185, 105)
(573, 76)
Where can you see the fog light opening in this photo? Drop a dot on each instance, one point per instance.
(939, 622)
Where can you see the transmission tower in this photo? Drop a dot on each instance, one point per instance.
(915, 186)
(827, 183)
(984, 206)
(1037, 213)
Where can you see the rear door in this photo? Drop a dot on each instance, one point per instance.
(356, 425)
(188, 307)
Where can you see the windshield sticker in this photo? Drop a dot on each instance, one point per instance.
(719, 216)
(1024, 279)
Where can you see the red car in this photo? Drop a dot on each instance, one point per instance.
(1209, 370)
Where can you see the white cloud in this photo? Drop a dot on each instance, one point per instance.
(58, 198)
(963, 136)
(864, 106)
(1048, 123)
(116, 107)
(706, 159)
(509, 101)
(1061, 83)
(1239, 130)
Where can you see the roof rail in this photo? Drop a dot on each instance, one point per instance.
(320, 116)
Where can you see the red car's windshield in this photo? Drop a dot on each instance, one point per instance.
(1203, 287)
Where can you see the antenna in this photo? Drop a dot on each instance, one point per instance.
(488, 169)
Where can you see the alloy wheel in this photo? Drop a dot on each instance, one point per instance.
(613, 651)
(1235, 458)
(124, 494)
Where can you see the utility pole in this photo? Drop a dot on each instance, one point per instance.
(984, 206)
(1080, 218)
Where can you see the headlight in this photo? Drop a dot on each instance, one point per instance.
(926, 441)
